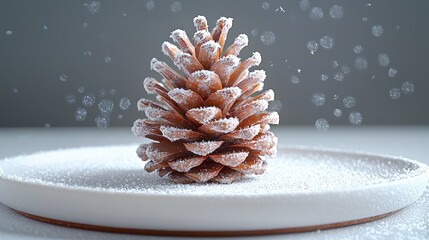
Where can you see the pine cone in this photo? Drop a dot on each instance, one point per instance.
(208, 124)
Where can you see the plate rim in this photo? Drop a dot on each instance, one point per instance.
(206, 233)
(424, 172)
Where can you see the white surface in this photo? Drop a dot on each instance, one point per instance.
(107, 186)
(412, 222)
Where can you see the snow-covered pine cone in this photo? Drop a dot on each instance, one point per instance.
(209, 124)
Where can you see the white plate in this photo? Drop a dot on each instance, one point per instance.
(302, 189)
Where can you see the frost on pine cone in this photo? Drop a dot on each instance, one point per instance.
(209, 124)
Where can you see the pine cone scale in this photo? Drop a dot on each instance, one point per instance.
(186, 99)
(230, 159)
(186, 164)
(203, 115)
(203, 148)
(205, 171)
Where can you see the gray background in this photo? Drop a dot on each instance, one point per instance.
(33, 58)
